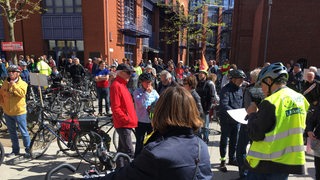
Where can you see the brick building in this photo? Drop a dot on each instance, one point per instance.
(293, 32)
(110, 29)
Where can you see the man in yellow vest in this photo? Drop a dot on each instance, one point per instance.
(276, 127)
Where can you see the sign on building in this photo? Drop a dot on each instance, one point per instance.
(12, 46)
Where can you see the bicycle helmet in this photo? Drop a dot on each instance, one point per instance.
(145, 77)
(13, 68)
(237, 73)
(276, 71)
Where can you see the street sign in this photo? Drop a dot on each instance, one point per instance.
(12, 46)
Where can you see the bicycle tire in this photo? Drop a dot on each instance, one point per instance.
(69, 151)
(86, 147)
(1, 153)
(41, 141)
(115, 139)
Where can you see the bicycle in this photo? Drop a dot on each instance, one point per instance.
(86, 141)
(48, 128)
(106, 158)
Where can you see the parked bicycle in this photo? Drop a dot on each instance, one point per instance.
(86, 141)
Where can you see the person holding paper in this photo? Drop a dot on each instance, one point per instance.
(276, 128)
(231, 97)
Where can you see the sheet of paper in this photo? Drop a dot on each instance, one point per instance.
(238, 115)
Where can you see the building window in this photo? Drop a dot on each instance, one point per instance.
(63, 6)
(129, 12)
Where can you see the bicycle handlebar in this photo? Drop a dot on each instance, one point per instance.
(56, 169)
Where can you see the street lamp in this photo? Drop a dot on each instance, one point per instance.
(267, 31)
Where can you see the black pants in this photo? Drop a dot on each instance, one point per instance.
(125, 145)
(317, 167)
(141, 131)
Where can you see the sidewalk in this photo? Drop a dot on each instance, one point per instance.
(37, 168)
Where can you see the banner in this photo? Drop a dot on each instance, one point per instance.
(203, 64)
(12, 46)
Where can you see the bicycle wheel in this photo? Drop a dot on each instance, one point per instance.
(115, 139)
(86, 146)
(68, 148)
(41, 141)
(1, 153)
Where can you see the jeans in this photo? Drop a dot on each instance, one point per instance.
(205, 130)
(12, 122)
(229, 130)
(103, 93)
(241, 152)
(141, 131)
(266, 176)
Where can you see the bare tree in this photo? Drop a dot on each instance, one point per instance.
(17, 10)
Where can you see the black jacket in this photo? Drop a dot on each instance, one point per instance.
(231, 97)
(207, 91)
(170, 156)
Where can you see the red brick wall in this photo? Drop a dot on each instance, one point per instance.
(293, 34)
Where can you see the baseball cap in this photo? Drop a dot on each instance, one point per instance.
(297, 65)
(125, 67)
(23, 63)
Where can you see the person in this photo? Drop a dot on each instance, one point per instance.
(77, 72)
(123, 111)
(173, 151)
(231, 97)
(276, 128)
(315, 71)
(179, 72)
(55, 77)
(295, 79)
(89, 65)
(43, 67)
(12, 99)
(313, 131)
(3, 71)
(207, 91)
(252, 93)
(165, 81)
(102, 83)
(190, 83)
(145, 98)
(24, 74)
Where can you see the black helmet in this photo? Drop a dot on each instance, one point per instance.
(273, 71)
(237, 73)
(145, 77)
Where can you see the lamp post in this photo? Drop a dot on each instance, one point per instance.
(267, 31)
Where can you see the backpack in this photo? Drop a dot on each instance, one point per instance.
(65, 129)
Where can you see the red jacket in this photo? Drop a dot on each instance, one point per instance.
(123, 112)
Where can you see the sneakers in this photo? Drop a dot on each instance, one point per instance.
(12, 154)
(27, 155)
(109, 112)
(233, 162)
(100, 114)
(223, 167)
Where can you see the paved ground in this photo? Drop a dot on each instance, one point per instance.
(17, 168)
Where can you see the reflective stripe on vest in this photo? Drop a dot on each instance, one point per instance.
(283, 134)
(276, 154)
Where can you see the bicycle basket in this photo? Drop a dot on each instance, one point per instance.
(65, 129)
(87, 123)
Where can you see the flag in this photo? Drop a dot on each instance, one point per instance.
(203, 64)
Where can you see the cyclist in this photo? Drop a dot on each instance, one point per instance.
(276, 127)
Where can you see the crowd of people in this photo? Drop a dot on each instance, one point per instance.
(174, 103)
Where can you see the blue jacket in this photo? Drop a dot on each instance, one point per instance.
(169, 156)
(231, 97)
